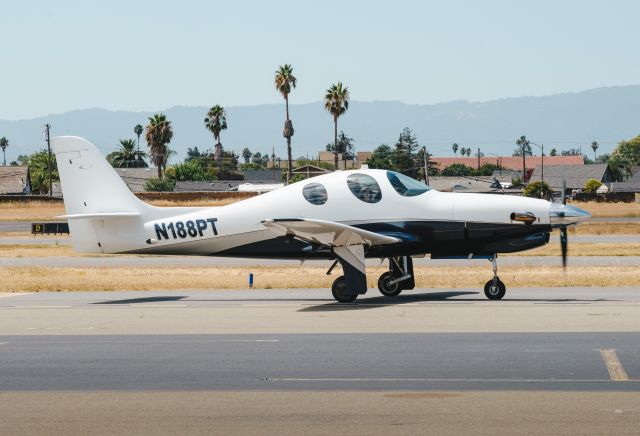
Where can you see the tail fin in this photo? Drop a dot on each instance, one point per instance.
(92, 192)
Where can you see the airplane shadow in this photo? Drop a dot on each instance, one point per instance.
(381, 301)
(142, 300)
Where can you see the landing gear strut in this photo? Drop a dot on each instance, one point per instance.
(398, 278)
(494, 289)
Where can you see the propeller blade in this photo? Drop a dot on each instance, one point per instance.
(564, 245)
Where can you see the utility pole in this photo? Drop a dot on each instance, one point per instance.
(426, 166)
(46, 133)
(478, 157)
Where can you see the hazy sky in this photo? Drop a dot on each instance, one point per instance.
(62, 55)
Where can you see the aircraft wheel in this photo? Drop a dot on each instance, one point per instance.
(340, 291)
(387, 289)
(494, 292)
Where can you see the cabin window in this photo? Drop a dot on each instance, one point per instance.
(315, 193)
(405, 185)
(364, 187)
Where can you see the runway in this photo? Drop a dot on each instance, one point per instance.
(560, 360)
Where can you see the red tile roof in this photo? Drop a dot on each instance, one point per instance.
(508, 162)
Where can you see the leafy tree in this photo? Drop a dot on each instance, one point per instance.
(454, 147)
(216, 122)
(194, 154)
(138, 131)
(284, 82)
(487, 169)
(38, 163)
(381, 158)
(4, 143)
(523, 148)
(189, 171)
(336, 102)
(592, 185)
(404, 157)
(594, 147)
(457, 170)
(345, 147)
(158, 136)
(246, 154)
(127, 156)
(553, 152)
(626, 154)
(434, 170)
(571, 152)
(537, 190)
(259, 159)
(159, 185)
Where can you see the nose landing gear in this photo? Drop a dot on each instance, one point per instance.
(494, 289)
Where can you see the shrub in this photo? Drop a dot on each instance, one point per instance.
(158, 185)
(591, 185)
(457, 170)
(537, 190)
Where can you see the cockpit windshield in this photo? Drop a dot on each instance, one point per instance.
(406, 186)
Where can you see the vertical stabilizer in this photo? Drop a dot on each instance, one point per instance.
(92, 190)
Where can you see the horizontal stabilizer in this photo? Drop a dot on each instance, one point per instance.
(99, 215)
(328, 233)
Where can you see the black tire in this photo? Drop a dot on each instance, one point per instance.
(340, 291)
(494, 293)
(385, 288)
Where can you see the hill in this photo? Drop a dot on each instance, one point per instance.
(563, 121)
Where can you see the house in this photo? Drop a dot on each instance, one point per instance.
(465, 184)
(507, 162)
(15, 181)
(135, 178)
(309, 171)
(632, 184)
(575, 176)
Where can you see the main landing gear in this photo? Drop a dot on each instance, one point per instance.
(494, 289)
(398, 278)
(340, 291)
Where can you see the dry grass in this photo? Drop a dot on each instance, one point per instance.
(609, 210)
(606, 228)
(35, 250)
(29, 211)
(585, 249)
(193, 203)
(122, 278)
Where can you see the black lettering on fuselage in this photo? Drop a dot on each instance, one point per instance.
(213, 225)
(184, 229)
(161, 232)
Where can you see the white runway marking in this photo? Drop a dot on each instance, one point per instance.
(492, 380)
(168, 341)
(614, 366)
(14, 294)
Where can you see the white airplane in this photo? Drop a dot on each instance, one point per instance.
(345, 216)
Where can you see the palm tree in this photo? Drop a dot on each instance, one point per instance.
(138, 131)
(285, 81)
(4, 143)
(216, 122)
(336, 102)
(454, 147)
(158, 135)
(594, 147)
(127, 156)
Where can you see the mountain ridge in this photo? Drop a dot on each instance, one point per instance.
(565, 120)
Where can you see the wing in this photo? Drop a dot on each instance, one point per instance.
(328, 233)
(346, 241)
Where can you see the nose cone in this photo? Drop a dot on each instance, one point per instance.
(565, 214)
